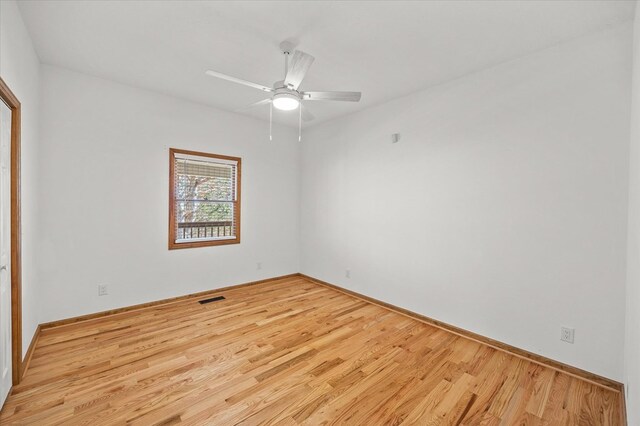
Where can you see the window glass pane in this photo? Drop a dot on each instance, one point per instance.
(197, 219)
(199, 180)
(203, 211)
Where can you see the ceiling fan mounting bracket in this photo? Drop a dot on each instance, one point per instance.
(287, 47)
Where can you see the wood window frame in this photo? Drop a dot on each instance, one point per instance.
(7, 96)
(172, 212)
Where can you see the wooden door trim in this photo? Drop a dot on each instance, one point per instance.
(11, 100)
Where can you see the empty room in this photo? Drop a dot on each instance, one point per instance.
(320, 212)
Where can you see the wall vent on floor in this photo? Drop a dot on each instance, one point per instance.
(213, 299)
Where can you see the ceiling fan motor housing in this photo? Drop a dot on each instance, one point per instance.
(285, 90)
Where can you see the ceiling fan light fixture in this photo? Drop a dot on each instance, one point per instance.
(285, 101)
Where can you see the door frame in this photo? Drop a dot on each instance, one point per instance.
(16, 240)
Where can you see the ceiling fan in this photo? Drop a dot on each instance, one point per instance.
(285, 94)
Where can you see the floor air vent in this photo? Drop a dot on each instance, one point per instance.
(213, 299)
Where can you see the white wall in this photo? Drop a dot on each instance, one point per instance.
(104, 196)
(502, 210)
(19, 67)
(632, 342)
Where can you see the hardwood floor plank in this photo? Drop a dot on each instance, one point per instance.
(289, 352)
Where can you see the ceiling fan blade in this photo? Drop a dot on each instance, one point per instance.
(306, 114)
(332, 96)
(238, 80)
(255, 104)
(298, 67)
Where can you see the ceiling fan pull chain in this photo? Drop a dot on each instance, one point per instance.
(300, 123)
(271, 121)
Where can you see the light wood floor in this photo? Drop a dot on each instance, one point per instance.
(288, 352)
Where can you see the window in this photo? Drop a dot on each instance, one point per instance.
(204, 199)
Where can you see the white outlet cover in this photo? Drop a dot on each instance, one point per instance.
(567, 334)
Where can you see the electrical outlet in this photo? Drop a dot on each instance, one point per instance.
(103, 290)
(259, 265)
(567, 334)
(347, 273)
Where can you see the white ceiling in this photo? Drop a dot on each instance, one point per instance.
(384, 49)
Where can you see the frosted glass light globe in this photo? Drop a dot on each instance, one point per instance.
(285, 102)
